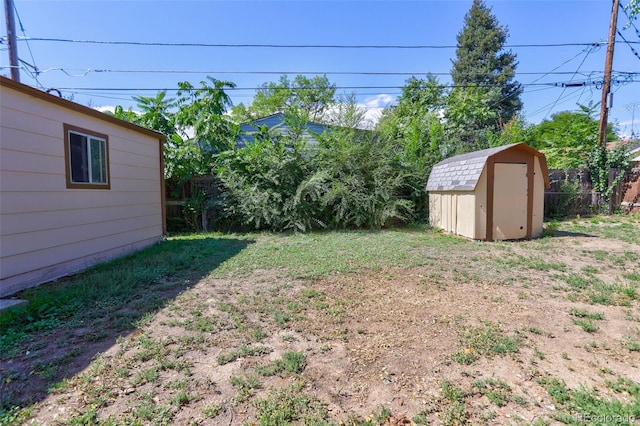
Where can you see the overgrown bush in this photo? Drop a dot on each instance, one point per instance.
(359, 180)
(346, 178)
(261, 185)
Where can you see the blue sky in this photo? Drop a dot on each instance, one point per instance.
(406, 23)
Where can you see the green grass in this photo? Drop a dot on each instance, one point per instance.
(291, 362)
(620, 228)
(245, 386)
(577, 406)
(586, 324)
(496, 391)
(320, 254)
(290, 405)
(485, 340)
(454, 411)
(581, 313)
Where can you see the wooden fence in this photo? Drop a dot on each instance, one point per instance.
(572, 193)
(191, 209)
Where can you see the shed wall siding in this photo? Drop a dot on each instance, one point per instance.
(481, 207)
(466, 203)
(453, 212)
(435, 209)
(447, 220)
(48, 231)
(538, 200)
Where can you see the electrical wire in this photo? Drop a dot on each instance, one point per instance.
(637, 55)
(592, 48)
(296, 46)
(210, 72)
(35, 72)
(146, 89)
(587, 53)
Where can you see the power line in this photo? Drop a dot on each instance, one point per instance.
(637, 55)
(587, 53)
(35, 72)
(299, 46)
(446, 86)
(556, 102)
(85, 72)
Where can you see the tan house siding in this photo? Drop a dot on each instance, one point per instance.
(48, 230)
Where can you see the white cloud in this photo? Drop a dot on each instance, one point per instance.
(374, 106)
(378, 101)
(106, 108)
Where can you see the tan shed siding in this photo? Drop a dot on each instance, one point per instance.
(435, 209)
(481, 207)
(465, 216)
(48, 230)
(445, 222)
(538, 200)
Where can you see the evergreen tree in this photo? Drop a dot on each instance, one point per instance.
(482, 62)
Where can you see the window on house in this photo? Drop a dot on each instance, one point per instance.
(87, 158)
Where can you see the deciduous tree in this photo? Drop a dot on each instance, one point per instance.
(568, 137)
(302, 95)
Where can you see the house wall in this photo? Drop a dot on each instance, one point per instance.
(47, 230)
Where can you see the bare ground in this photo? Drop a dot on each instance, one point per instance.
(380, 338)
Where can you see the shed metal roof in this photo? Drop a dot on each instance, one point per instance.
(462, 172)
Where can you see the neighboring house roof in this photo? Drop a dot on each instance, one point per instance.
(275, 121)
(462, 172)
(6, 82)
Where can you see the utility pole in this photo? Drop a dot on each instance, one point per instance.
(606, 84)
(11, 40)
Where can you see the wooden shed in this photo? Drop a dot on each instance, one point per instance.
(77, 187)
(493, 194)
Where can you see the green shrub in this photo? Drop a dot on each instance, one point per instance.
(348, 179)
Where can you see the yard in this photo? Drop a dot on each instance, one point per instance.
(401, 326)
